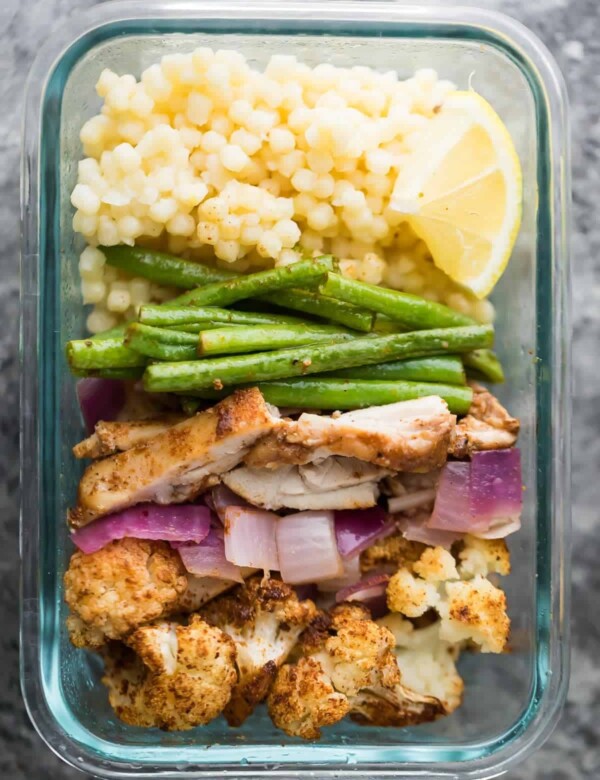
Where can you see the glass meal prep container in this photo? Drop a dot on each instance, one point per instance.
(511, 701)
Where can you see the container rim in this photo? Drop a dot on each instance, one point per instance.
(553, 553)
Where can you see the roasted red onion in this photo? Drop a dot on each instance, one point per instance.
(357, 529)
(100, 399)
(250, 537)
(207, 559)
(307, 547)
(172, 523)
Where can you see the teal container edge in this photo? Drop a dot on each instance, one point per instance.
(54, 701)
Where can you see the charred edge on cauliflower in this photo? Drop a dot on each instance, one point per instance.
(345, 653)
(264, 618)
(171, 676)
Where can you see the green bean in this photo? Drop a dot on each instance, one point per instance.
(151, 342)
(304, 272)
(447, 369)
(257, 338)
(383, 324)
(410, 310)
(312, 359)
(162, 268)
(196, 327)
(166, 335)
(486, 363)
(84, 354)
(320, 306)
(343, 394)
(112, 333)
(165, 315)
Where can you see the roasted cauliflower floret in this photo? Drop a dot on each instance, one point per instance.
(471, 608)
(410, 595)
(483, 556)
(414, 590)
(345, 652)
(264, 619)
(175, 677)
(475, 611)
(303, 700)
(125, 584)
(84, 636)
(427, 662)
(124, 675)
(390, 554)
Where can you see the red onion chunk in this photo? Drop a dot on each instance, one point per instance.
(452, 508)
(482, 497)
(172, 523)
(307, 547)
(357, 529)
(417, 530)
(496, 485)
(207, 559)
(100, 399)
(350, 576)
(221, 497)
(250, 538)
(364, 590)
(500, 527)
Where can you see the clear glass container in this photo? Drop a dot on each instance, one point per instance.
(512, 701)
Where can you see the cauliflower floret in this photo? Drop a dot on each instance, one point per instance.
(358, 653)
(264, 618)
(483, 556)
(302, 700)
(427, 663)
(84, 636)
(176, 677)
(410, 595)
(124, 674)
(125, 584)
(470, 609)
(390, 554)
(345, 652)
(475, 611)
(436, 565)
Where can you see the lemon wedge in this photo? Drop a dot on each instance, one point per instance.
(461, 191)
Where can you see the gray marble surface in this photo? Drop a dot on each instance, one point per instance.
(570, 29)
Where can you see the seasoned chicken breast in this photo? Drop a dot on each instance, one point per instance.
(487, 426)
(334, 483)
(178, 464)
(111, 437)
(406, 436)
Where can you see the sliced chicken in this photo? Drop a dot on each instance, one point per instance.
(111, 437)
(487, 426)
(178, 464)
(335, 483)
(406, 436)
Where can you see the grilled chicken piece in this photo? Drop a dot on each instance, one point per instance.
(335, 483)
(178, 464)
(405, 436)
(111, 437)
(487, 426)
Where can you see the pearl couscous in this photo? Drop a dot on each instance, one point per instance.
(206, 157)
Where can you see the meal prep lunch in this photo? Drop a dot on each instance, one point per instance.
(298, 478)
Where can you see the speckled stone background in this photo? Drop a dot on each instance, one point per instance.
(570, 28)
